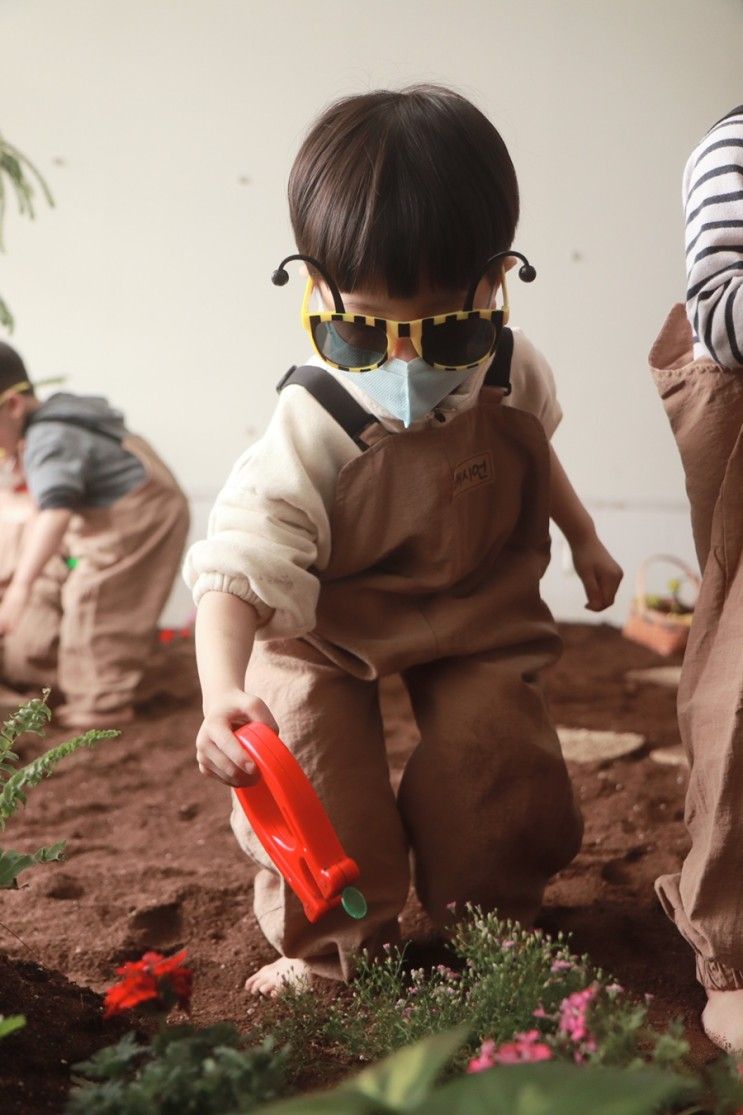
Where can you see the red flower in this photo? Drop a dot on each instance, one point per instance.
(157, 979)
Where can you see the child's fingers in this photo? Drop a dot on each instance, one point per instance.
(593, 590)
(220, 754)
(224, 772)
(610, 580)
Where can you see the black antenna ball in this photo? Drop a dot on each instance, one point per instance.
(280, 277)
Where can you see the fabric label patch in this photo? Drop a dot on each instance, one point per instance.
(474, 471)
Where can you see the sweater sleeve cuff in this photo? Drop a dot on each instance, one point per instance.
(56, 498)
(237, 586)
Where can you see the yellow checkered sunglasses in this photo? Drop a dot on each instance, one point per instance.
(453, 341)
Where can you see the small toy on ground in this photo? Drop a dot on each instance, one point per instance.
(287, 817)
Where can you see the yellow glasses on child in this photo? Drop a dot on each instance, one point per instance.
(451, 342)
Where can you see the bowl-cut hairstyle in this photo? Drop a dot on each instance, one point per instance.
(391, 189)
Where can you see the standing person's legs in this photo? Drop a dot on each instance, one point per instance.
(128, 557)
(332, 724)
(704, 404)
(706, 898)
(486, 797)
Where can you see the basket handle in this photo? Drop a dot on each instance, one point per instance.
(670, 559)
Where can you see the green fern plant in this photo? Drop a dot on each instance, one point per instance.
(16, 781)
(22, 178)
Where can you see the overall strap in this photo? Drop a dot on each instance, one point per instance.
(78, 422)
(499, 372)
(339, 404)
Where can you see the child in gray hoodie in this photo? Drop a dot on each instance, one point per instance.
(102, 497)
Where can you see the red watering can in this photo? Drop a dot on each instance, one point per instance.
(286, 815)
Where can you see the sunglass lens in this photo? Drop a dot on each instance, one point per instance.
(454, 343)
(350, 344)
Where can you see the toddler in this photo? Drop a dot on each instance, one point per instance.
(394, 519)
(102, 497)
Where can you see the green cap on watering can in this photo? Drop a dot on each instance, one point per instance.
(354, 903)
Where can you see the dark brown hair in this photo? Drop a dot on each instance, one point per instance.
(390, 188)
(12, 368)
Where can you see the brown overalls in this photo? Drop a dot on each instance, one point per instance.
(128, 555)
(705, 406)
(440, 537)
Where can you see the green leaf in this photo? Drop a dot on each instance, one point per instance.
(557, 1089)
(12, 863)
(326, 1103)
(11, 1023)
(12, 794)
(111, 1062)
(404, 1079)
(398, 1083)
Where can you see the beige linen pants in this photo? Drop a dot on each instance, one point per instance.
(128, 555)
(29, 657)
(440, 537)
(705, 899)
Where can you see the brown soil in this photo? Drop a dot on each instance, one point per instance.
(151, 863)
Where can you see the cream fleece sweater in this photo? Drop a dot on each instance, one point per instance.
(269, 530)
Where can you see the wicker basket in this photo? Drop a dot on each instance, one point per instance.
(664, 632)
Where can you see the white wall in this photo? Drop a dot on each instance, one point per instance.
(166, 129)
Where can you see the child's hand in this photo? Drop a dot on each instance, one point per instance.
(600, 574)
(218, 752)
(12, 605)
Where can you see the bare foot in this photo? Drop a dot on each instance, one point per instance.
(722, 1020)
(272, 979)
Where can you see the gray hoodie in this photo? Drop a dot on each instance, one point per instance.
(74, 456)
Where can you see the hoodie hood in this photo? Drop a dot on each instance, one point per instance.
(90, 411)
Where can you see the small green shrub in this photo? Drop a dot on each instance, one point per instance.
(184, 1071)
(407, 1082)
(520, 996)
(14, 783)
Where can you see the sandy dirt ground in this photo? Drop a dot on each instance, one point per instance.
(151, 863)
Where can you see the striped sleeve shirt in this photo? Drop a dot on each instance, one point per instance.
(713, 206)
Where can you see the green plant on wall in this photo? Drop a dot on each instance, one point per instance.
(19, 177)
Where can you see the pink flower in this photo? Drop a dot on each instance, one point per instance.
(561, 966)
(540, 1012)
(485, 1058)
(507, 944)
(573, 1017)
(524, 1047)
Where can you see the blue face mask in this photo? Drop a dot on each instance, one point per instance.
(408, 390)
